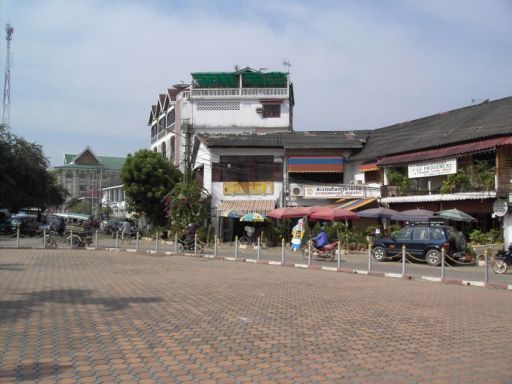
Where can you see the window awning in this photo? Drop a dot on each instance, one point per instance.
(316, 164)
(445, 152)
(369, 167)
(353, 204)
(238, 208)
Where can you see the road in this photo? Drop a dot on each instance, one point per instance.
(350, 260)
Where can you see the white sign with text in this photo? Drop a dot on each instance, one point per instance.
(333, 191)
(433, 168)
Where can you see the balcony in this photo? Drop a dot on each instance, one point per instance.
(395, 191)
(162, 133)
(236, 93)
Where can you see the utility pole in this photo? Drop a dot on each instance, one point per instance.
(187, 174)
(6, 117)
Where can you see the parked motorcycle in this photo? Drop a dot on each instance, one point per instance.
(503, 260)
(325, 253)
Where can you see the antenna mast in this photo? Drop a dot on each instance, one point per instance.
(6, 117)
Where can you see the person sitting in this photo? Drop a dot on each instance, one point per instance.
(190, 233)
(321, 239)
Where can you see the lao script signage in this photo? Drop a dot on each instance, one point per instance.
(433, 168)
(333, 191)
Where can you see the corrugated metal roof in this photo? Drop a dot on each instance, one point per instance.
(486, 120)
(288, 140)
(445, 152)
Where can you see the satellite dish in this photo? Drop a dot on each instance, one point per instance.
(181, 86)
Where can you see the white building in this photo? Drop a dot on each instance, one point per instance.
(239, 102)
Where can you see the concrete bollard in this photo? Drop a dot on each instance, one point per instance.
(443, 267)
(258, 249)
(236, 247)
(403, 259)
(117, 239)
(282, 250)
(175, 243)
(44, 238)
(96, 239)
(339, 254)
(369, 257)
(309, 253)
(215, 246)
(486, 262)
(137, 241)
(156, 242)
(18, 237)
(195, 244)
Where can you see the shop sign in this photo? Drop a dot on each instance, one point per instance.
(433, 168)
(248, 188)
(333, 191)
(500, 207)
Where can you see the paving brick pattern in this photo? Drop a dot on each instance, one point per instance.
(109, 317)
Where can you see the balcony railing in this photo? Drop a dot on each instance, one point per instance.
(239, 92)
(394, 191)
(162, 133)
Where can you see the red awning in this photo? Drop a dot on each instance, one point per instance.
(439, 153)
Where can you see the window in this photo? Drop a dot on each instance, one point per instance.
(172, 148)
(164, 150)
(171, 118)
(420, 233)
(246, 168)
(271, 110)
(404, 234)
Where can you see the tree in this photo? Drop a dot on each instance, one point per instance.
(147, 178)
(25, 179)
(187, 203)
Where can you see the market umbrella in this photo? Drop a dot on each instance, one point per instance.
(376, 213)
(414, 215)
(288, 212)
(331, 214)
(253, 217)
(455, 215)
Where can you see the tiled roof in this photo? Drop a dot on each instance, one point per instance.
(108, 162)
(298, 139)
(485, 120)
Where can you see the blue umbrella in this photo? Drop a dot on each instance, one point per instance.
(253, 217)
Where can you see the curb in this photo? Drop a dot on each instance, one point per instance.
(314, 267)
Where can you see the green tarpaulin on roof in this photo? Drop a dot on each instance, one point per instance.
(231, 79)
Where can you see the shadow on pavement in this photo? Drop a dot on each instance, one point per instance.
(22, 308)
(33, 371)
(11, 267)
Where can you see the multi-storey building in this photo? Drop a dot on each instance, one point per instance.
(84, 175)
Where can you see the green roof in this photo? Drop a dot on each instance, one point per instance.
(250, 79)
(108, 162)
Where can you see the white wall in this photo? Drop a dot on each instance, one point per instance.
(245, 117)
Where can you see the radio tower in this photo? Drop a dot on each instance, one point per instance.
(6, 117)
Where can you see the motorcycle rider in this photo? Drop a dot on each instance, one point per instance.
(321, 239)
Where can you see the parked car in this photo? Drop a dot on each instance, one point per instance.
(27, 223)
(58, 224)
(111, 225)
(422, 241)
(5, 221)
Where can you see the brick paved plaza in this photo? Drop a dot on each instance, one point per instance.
(115, 317)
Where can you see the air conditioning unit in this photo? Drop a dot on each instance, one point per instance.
(296, 190)
(259, 110)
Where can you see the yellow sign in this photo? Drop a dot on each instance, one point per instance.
(248, 188)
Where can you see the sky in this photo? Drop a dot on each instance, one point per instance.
(86, 72)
